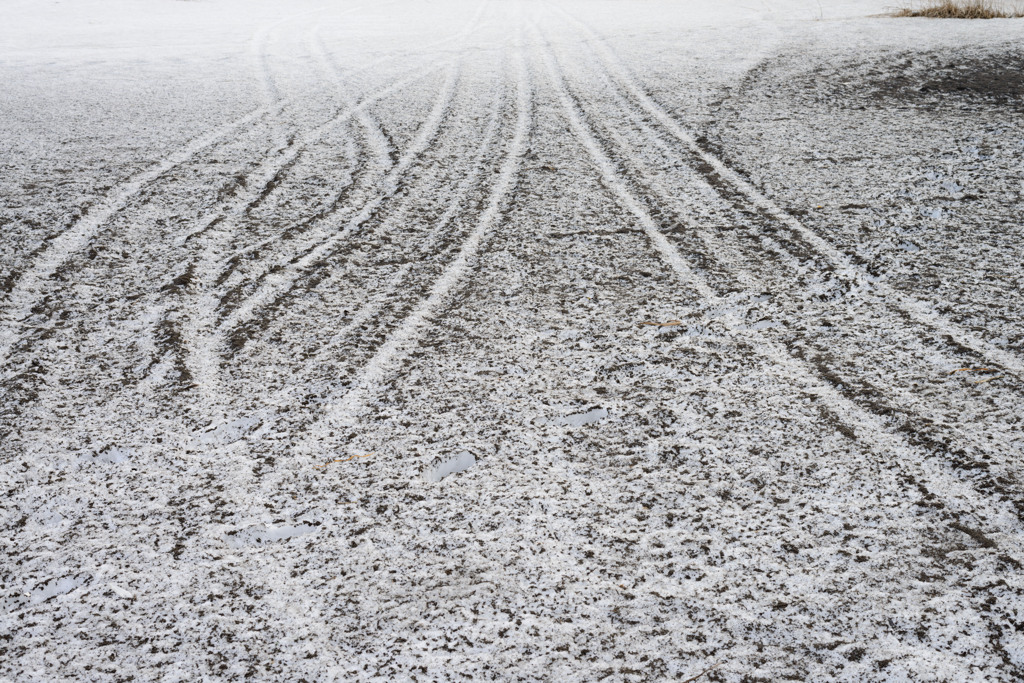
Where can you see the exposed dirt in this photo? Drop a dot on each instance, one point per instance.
(577, 341)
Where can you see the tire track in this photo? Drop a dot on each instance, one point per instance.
(964, 452)
(30, 287)
(382, 158)
(430, 246)
(853, 420)
(320, 226)
(346, 407)
(214, 230)
(199, 361)
(204, 368)
(718, 172)
(29, 291)
(277, 283)
(379, 145)
(384, 153)
(166, 319)
(969, 448)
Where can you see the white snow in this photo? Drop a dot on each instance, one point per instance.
(501, 340)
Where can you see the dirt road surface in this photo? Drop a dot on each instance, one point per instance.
(568, 341)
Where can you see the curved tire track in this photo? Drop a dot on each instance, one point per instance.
(979, 459)
(967, 448)
(857, 422)
(431, 246)
(347, 407)
(921, 312)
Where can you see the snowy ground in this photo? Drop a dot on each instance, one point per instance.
(245, 242)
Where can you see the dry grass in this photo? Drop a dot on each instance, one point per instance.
(961, 9)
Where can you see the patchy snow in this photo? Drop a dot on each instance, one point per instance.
(581, 340)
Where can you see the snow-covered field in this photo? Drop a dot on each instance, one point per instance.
(457, 340)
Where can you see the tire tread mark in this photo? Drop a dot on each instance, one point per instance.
(374, 374)
(372, 307)
(30, 287)
(921, 312)
(921, 430)
(867, 427)
(277, 283)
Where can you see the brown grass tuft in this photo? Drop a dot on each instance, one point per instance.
(961, 9)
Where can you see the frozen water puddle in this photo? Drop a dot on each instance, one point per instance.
(111, 455)
(261, 535)
(439, 468)
(43, 591)
(579, 419)
(228, 432)
(587, 417)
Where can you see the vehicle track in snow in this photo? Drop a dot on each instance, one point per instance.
(700, 434)
(382, 301)
(718, 174)
(194, 268)
(345, 407)
(866, 426)
(982, 453)
(29, 286)
(226, 329)
(210, 300)
(474, 396)
(34, 291)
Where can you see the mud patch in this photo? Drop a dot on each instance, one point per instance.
(997, 79)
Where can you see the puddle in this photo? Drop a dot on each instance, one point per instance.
(439, 468)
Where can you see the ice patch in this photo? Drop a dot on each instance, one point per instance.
(228, 432)
(110, 454)
(124, 593)
(763, 325)
(51, 588)
(261, 534)
(439, 468)
(580, 419)
(577, 419)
